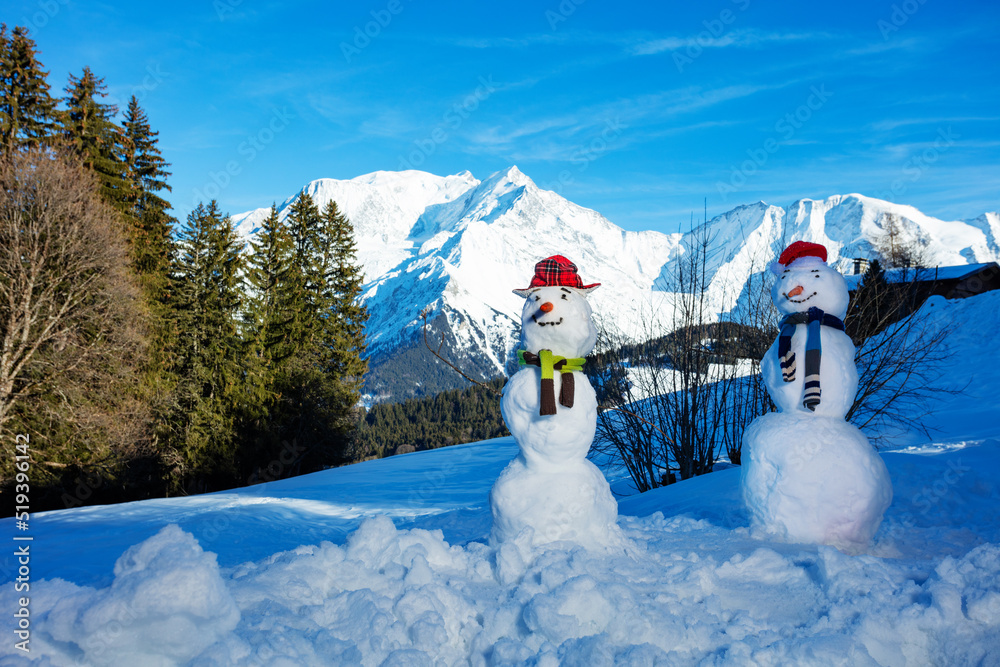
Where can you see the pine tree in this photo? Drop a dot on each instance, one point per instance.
(871, 306)
(27, 111)
(270, 301)
(90, 131)
(149, 222)
(348, 315)
(209, 354)
(145, 173)
(303, 228)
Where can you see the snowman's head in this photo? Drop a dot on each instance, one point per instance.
(558, 319)
(807, 282)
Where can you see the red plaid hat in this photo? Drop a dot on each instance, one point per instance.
(556, 271)
(801, 249)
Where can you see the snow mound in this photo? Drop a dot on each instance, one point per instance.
(167, 604)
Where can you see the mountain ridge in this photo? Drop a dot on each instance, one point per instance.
(455, 246)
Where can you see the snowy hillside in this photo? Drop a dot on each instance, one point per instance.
(459, 246)
(386, 563)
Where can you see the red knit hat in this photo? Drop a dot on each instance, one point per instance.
(556, 271)
(801, 249)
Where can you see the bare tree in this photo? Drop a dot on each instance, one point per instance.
(899, 247)
(901, 357)
(70, 313)
(680, 386)
(754, 325)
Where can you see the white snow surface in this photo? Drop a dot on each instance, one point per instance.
(458, 245)
(386, 563)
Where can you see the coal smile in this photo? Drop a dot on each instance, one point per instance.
(801, 300)
(542, 324)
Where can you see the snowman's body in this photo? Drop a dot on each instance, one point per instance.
(807, 475)
(839, 374)
(550, 487)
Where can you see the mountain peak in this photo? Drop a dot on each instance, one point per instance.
(510, 176)
(515, 174)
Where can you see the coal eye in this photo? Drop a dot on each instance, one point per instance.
(538, 298)
(564, 297)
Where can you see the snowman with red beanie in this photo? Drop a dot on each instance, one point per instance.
(808, 475)
(550, 492)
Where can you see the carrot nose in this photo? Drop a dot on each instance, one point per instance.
(795, 291)
(547, 307)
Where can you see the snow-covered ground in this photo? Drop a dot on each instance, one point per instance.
(386, 563)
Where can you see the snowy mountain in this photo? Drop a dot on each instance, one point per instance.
(386, 563)
(457, 246)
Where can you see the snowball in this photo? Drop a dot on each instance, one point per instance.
(838, 375)
(813, 479)
(570, 502)
(567, 329)
(821, 286)
(548, 441)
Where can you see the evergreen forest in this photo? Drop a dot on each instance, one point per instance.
(142, 356)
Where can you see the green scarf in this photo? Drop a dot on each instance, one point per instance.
(550, 363)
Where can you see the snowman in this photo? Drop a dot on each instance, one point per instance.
(550, 491)
(808, 475)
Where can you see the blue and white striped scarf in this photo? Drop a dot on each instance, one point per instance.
(814, 319)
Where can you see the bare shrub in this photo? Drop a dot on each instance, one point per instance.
(71, 318)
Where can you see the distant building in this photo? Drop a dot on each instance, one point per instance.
(909, 288)
(951, 282)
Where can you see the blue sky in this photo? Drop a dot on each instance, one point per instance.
(638, 110)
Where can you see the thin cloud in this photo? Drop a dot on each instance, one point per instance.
(561, 137)
(889, 125)
(741, 38)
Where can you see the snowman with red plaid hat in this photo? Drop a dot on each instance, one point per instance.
(550, 492)
(807, 475)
